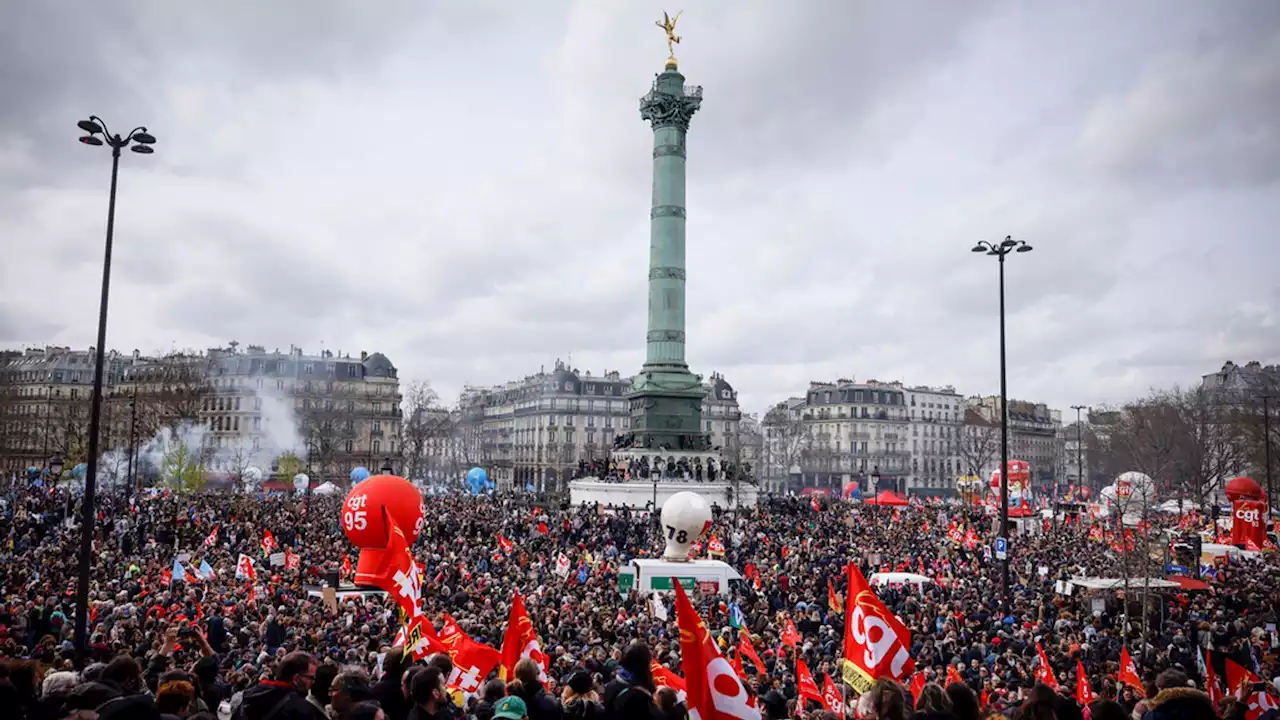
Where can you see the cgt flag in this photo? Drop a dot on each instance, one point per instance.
(875, 642)
(713, 689)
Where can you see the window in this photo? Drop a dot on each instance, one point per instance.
(307, 369)
(377, 446)
(235, 421)
(237, 403)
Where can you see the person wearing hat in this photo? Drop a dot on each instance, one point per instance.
(510, 708)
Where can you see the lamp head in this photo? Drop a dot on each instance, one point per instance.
(145, 138)
(386, 467)
(979, 248)
(90, 140)
(55, 465)
(1008, 241)
(142, 149)
(1024, 248)
(89, 126)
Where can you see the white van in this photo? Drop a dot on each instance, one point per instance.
(650, 575)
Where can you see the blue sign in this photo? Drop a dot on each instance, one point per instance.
(1002, 548)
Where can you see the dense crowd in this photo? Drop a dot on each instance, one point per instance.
(222, 647)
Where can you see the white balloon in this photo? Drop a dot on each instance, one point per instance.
(301, 482)
(1134, 491)
(685, 517)
(251, 474)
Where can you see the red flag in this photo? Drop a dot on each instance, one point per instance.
(713, 690)
(505, 544)
(1129, 674)
(1256, 702)
(813, 503)
(744, 647)
(953, 676)
(1043, 672)
(715, 547)
(664, 677)
(954, 533)
(212, 538)
(1211, 685)
(790, 636)
(833, 599)
(984, 700)
(166, 577)
(1084, 691)
(268, 542)
(519, 640)
(418, 637)
(875, 642)
(832, 700)
(805, 684)
(472, 661)
(291, 560)
(346, 567)
(917, 685)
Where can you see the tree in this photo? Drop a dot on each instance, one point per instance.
(325, 429)
(427, 431)
(288, 465)
(182, 468)
(979, 443)
(787, 440)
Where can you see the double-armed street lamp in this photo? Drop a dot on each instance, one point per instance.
(1000, 251)
(139, 141)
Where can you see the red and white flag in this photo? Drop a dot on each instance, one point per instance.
(790, 636)
(1128, 674)
(245, 569)
(1084, 691)
(472, 661)
(875, 641)
(713, 689)
(506, 545)
(212, 538)
(292, 561)
(268, 542)
(805, 685)
(346, 568)
(1241, 680)
(715, 547)
(519, 641)
(563, 566)
(832, 699)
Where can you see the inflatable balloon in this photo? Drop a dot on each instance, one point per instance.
(364, 520)
(1243, 488)
(685, 517)
(251, 475)
(368, 504)
(359, 475)
(477, 479)
(301, 482)
(79, 470)
(1134, 491)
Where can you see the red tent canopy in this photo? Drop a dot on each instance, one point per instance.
(1188, 583)
(887, 497)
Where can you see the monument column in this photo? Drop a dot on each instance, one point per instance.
(668, 107)
(666, 399)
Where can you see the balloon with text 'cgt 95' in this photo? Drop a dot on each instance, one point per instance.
(364, 516)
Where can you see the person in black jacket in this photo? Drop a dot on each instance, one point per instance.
(629, 696)
(579, 701)
(540, 705)
(285, 697)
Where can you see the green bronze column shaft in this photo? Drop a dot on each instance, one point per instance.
(668, 107)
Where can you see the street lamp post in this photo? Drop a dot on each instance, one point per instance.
(140, 141)
(1080, 481)
(1266, 449)
(999, 251)
(386, 467)
(133, 437)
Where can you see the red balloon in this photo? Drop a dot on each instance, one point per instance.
(1243, 488)
(368, 505)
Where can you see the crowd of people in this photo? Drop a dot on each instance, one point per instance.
(221, 647)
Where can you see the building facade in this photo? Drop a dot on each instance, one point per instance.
(937, 427)
(241, 407)
(842, 432)
(335, 412)
(534, 431)
(1035, 436)
(45, 398)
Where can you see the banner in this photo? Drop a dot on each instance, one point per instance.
(1248, 523)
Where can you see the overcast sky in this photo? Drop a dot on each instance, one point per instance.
(464, 185)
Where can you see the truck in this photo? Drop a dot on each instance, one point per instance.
(648, 575)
